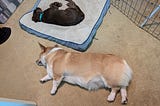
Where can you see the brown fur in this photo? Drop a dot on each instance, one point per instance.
(87, 66)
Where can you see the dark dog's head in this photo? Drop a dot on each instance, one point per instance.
(36, 14)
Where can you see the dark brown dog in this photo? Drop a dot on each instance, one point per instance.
(70, 16)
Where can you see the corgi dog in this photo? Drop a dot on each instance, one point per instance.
(91, 71)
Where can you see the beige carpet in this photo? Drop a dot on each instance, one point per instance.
(19, 75)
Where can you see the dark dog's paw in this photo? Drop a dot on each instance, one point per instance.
(69, 0)
(71, 5)
(55, 5)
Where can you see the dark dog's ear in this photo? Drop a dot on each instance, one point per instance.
(43, 48)
(38, 10)
(36, 13)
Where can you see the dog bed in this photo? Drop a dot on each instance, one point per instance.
(79, 36)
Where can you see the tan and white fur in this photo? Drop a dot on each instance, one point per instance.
(88, 70)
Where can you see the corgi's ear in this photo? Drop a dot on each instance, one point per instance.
(43, 48)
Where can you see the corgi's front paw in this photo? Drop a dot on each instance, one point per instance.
(42, 81)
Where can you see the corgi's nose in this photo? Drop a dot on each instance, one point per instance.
(39, 63)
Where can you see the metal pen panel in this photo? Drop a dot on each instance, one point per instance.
(144, 13)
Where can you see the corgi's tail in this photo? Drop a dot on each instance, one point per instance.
(126, 76)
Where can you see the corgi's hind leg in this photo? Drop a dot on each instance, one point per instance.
(124, 95)
(112, 95)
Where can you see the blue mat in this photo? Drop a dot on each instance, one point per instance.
(78, 37)
(14, 102)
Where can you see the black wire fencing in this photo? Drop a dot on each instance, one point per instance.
(144, 13)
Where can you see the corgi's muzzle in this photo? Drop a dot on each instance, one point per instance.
(38, 62)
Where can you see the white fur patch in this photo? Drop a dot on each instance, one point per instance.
(43, 60)
(64, 4)
(54, 50)
(111, 96)
(75, 80)
(49, 71)
(43, 57)
(93, 84)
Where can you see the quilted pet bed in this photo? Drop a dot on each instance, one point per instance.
(79, 36)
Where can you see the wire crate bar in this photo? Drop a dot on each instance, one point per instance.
(144, 13)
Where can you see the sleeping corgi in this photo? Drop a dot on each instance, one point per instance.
(91, 71)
